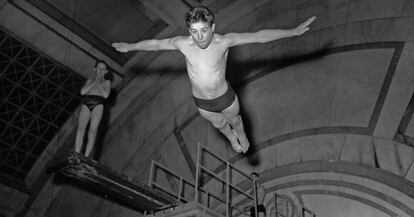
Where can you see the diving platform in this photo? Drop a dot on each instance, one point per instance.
(218, 189)
(110, 183)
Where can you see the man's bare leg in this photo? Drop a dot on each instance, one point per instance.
(96, 116)
(219, 122)
(237, 125)
(228, 132)
(233, 117)
(83, 120)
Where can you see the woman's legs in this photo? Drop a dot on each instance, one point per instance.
(96, 116)
(83, 120)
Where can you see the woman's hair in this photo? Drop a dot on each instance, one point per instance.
(197, 14)
(100, 61)
(108, 75)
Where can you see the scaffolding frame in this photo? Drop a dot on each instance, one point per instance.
(276, 198)
(200, 192)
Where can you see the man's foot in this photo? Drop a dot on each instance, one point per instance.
(237, 147)
(235, 144)
(242, 142)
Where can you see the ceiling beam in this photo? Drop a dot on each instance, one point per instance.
(171, 12)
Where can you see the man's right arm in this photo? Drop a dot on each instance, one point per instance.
(149, 45)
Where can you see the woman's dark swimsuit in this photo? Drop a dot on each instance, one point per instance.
(93, 100)
(218, 104)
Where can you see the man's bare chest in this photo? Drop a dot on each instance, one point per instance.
(206, 58)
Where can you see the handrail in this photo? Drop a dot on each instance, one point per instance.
(152, 183)
(306, 210)
(286, 199)
(168, 192)
(224, 181)
(200, 191)
(182, 181)
(229, 167)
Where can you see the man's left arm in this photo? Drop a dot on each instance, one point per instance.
(268, 35)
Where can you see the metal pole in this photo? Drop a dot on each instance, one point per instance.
(180, 188)
(228, 202)
(255, 197)
(199, 151)
(151, 174)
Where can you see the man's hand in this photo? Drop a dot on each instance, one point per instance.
(121, 46)
(304, 27)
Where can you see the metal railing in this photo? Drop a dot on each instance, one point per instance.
(184, 191)
(282, 206)
(228, 169)
(286, 207)
(307, 212)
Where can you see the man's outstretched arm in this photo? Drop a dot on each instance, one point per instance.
(268, 35)
(148, 45)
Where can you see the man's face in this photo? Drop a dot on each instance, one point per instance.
(202, 33)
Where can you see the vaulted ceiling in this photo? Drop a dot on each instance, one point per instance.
(48, 48)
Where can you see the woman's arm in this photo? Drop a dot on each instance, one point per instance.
(87, 86)
(105, 88)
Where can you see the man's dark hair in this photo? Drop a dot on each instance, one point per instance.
(197, 14)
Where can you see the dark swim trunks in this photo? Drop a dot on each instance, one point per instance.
(218, 104)
(260, 208)
(93, 100)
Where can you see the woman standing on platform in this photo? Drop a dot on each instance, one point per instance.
(95, 91)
